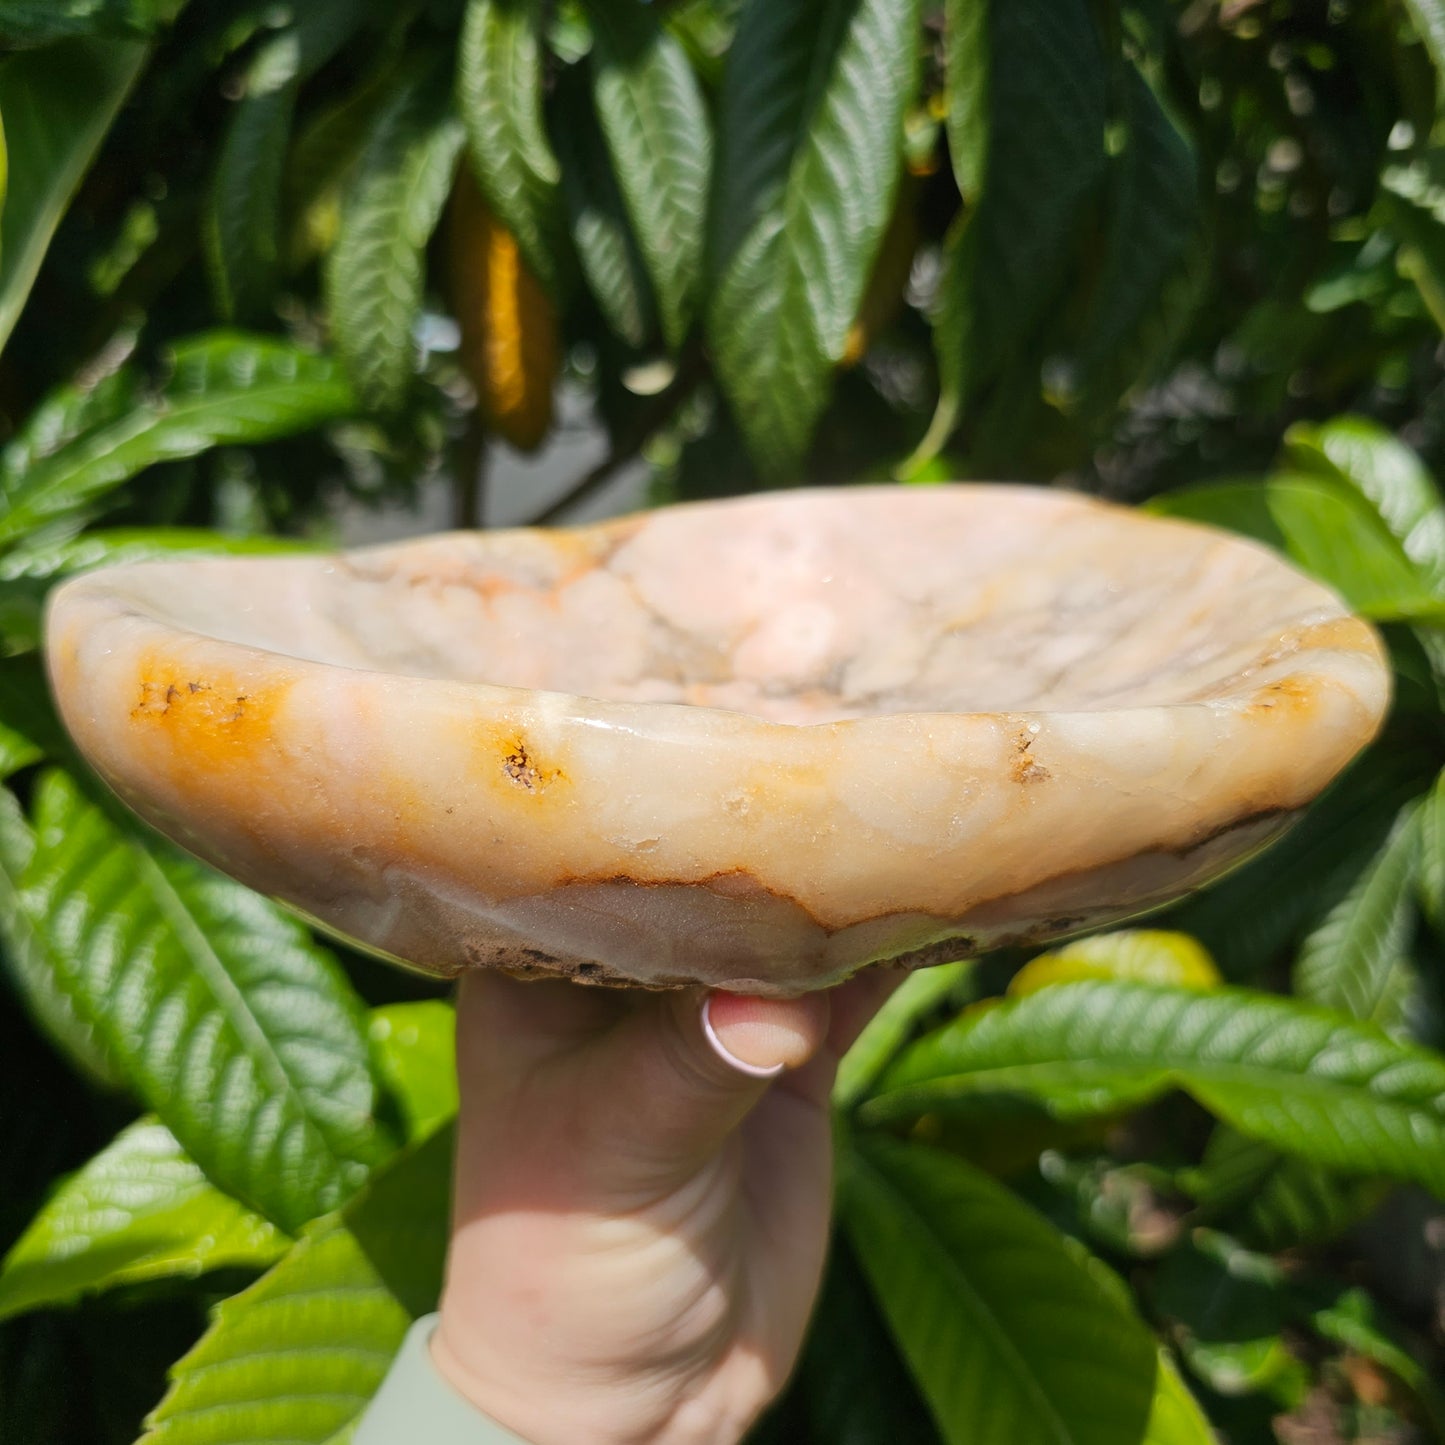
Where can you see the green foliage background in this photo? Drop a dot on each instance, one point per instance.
(1155, 1185)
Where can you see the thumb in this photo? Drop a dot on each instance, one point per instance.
(686, 1069)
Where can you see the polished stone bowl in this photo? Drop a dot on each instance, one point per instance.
(754, 744)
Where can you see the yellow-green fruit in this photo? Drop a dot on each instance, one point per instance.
(509, 346)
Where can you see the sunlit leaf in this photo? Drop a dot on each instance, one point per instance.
(218, 1009)
(224, 388)
(1309, 1082)
(414, 1046)
(902, 1015)
(1429, 18)
(1391, 476)
(35, 961)
(1175, 1417)
(1008, 1336)
(296, 1357)
(139, 1210)
(1247, 920)
(1328, 529)
(1357, 959)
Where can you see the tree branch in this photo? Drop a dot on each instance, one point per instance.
(691, 368)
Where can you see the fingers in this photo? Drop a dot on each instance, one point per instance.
(627, 1092)
(759, 1037)
(682, 1073)
(855, 1003)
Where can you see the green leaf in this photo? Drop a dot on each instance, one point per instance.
(29, 570)
(242, 224)
(1354, 1319)
(652, 116)
(1153, 251)
(1391, 476)
(139, 1210)
(1007, 1334)
(1429, 19)
(922, 994)
(1432, 854)
(1338, 1092)
(26, 707)
(499, 93)
(323, 156)
(1031, 74)
(242, 221)
(39, 22)
(1409, 207)
(16, 751)
(296, 1357)
(1357, 959)
(35, 961)
(1328, 529)
(1299, 1204)
(63, 414)
(21, 699)
(225, 388)
(242, 1034)
(58, 104)
(1272, 1200)
(1148, 955)
(1175, 1417)
(809, 154)
(1253, 915)
(1230, 1314)
(414, 1046)
(376, 270)
(611, 261)
(118, 546)
(856, 1388)
(401, 1221)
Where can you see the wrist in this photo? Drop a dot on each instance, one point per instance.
(543, 1410)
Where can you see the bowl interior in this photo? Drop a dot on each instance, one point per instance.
(797, 607)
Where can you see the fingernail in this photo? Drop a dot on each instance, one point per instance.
(753, 1071)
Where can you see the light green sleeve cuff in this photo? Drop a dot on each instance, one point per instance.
(415, 1404)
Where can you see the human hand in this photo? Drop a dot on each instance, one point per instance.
(639, 1226)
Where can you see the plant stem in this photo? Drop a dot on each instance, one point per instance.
(691, 368)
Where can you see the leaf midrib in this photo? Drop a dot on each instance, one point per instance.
(1171, 1072)
(994, 1326)
(633, 83)
(96, 447)
(229, 998)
